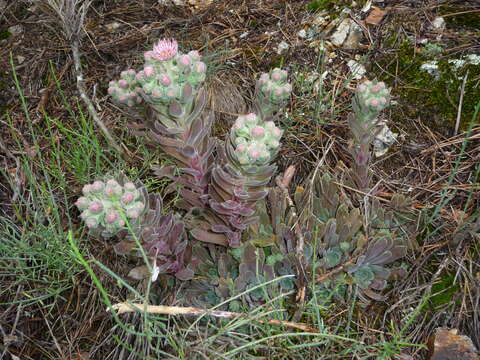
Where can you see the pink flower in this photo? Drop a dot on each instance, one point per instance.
(91, 222)
(111, 217)
(164, 50)
(95, 207)
(251, 118)
(258, 131)
(241, 148)
(123, 83)
(97, 185)
(128, 198)
(254, 154)
(165, 80)
(376, 88)
(200, 67)
(149, 71)
(374, 102)
(185, 60)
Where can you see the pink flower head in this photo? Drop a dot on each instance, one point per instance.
(374, 102)
(165, 80)
(251, 118)
(200, 67)
(254, 154)
(109, 191)
(239, 123)
(95, 207)
(241, 148)
(381, 84)
(264, 78)
(156, 95)
(87, 189)
(112, 90)
(185, 60)
(148, 55)
(131, 72)
(171, 93)
(112, 182)
(362, 88)
(270, 125)
(287, 88)
(133, 214)
(129, 186)
(258, 132)
(376, 88)
(165, 49)
(123, 83)
(195, 55)
(82, 203)
(128, 198)
(149, 71)
(278, 91)
(140, 75)
(123, 98)
(277, 75)
(97, 185)
(111, 217)
(277, 132)
(91, 222)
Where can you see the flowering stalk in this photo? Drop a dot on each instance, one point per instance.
(370, 99)
(124, 209)
(272, 91)
(169, 88)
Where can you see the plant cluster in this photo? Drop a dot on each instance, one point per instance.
(236, 231)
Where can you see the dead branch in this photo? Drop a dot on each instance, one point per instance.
(123, 308)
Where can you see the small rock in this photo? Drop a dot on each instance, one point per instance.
(20, 59)
(15, 30)
(448, 345)
(302, 34)
(358, 70)
(439, 23)
(282, 47)
(347, 35)
(383, 140)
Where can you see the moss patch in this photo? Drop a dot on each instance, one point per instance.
(432, 100)
(467, 18)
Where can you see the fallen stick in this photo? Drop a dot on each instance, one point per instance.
(123, 308)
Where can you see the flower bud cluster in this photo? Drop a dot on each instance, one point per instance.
(167, 75)
(274, 86)
(372, 97)
(108, 205)
(127, 90)
(256, 142)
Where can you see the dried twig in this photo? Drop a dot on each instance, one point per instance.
(123, 308)
(283, 183)
(460, 104)
(71, 14)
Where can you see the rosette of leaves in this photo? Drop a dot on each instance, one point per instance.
(224, 273)
(166, 245)
(350, 252)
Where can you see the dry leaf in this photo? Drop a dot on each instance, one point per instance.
(375, 17)
(448, 345)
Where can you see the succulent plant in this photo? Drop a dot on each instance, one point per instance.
(168, 83)
(371, 97)
(335, 228)
(124, 209)
(272, 91)
(107, 206)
